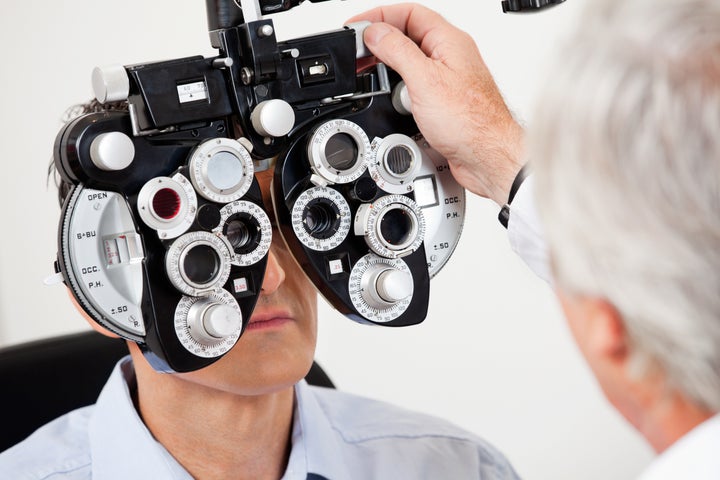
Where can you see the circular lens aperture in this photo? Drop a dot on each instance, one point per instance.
(201, 264)
(341, 151)
(337, 151)
(198, 262)
(321, 218)
(166, 203)
(247, 229)
(393, 226)
(397, 227)
(243, 232)
(399, 160)
(224, 170)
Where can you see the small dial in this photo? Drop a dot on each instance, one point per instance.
(198, 262)
(247, 228)
(221, 170)
(167, 205)
(337, 151)
(381, 289)
(321, 218)
(395, 161)
(393, 226)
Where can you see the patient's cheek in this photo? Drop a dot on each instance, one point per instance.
(95, 326)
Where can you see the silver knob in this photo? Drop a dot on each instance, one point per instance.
(384, 286)
(401, 99)
(273, 118)
(210, 322)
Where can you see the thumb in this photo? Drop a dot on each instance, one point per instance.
(394, 49)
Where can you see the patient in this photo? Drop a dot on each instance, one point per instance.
(250, 415)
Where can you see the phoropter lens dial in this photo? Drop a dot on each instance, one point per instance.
(321, 218)
(208, 326)
(393, 226)
(381, 289)
(247, 229)
(396, 162)
(221, 170)
(198, 262)
(167, 205)
(337, 151)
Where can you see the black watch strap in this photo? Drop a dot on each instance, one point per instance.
(504, 215)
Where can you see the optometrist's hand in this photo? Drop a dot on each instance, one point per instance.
(455, 100)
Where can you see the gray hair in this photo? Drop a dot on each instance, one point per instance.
(626, 147)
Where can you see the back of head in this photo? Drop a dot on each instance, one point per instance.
(626, 145)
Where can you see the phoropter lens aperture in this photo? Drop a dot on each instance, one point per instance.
(243, 232)
(198, 262)
(321, 218)
(201, 264)
(399, 160)
(341, 151)
(166, 203)
(337, 151)
(397, 227)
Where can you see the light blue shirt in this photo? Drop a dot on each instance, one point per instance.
(335, 436)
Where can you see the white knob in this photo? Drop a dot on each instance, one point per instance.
(110, 84)
(361, 50)
(401, 99)
(221, 321)
(210, 322)
(383, 286)
(393, 285)
(112, 151)
(273, 118)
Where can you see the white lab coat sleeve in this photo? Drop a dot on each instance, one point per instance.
(526, 234)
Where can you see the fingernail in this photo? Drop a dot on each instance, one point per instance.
(375, 33)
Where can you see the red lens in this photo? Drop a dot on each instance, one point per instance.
(166, 203)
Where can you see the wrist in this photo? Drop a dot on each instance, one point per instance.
(510, 164)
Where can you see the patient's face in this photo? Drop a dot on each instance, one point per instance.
(278, 346)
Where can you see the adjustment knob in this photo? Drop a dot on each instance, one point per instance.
(361, 50)
(393, 285)
(110, 84)
(273, 118)
(401, 99)
(210, 322)
(112, 151)
(384, 286)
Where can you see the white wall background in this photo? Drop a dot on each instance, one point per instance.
(494, 354)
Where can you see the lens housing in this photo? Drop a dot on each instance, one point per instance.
(337, 151)
(198, 262)
(221, 169)
(167, 205)
(393, 226)
(247, 230)
(395, 163)
(321, 218)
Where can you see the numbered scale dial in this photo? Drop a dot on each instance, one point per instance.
(102, 255)
(381, 289)
(208, 326)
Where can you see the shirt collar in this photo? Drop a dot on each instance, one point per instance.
(693, 456)
(120, 444)
(315, 442)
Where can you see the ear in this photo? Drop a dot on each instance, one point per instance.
(597, 327)
(95, 326)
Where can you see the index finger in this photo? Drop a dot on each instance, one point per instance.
(422, 25)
